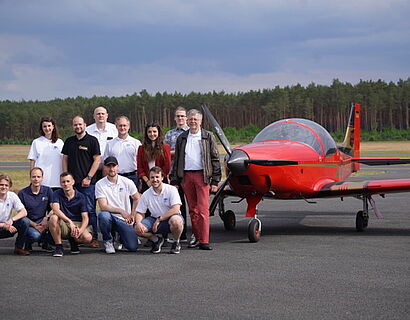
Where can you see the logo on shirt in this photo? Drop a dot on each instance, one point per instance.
(55, 147)
(166, 200)
(44, 198)
(83, 147)
(121, 189)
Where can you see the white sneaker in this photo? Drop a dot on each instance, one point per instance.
(109, 246)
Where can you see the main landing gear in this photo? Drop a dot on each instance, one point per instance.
(228, 217)
(229, 220)
(362, 216)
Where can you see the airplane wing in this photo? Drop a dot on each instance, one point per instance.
(381, 161)
(369, 187)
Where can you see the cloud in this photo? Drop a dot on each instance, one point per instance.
(67, 48)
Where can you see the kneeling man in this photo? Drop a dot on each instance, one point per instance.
(10, 225)
(113, 194)
(70, 216)
(164, 203)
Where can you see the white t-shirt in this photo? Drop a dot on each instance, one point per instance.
(47, 156)
(109, 133)
(193, 159)
(159, 204)
(6, 206)
(125, 150)
(117, 194)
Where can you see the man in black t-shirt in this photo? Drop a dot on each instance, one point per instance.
(81, 157)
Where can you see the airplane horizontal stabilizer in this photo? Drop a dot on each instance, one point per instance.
(271, 163)
(382, 161)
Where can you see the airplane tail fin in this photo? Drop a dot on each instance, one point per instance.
(351, 143)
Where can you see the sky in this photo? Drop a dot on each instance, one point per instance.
(57, 49)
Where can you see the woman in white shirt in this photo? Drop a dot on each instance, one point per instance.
(45, 152)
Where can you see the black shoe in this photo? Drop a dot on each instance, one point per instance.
(74, 246)
(156, 246)
(176, 248)
(204, 246)
(148, 244)
(59, 251)
(28, 247)
(45, 246)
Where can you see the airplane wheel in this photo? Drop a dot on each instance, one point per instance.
(361, 221)
(229, 220)
(254, 230)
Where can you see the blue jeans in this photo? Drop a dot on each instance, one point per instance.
(89, 193)
(33, 235)
(108, 222)
(22, 226)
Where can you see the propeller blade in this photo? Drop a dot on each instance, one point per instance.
(217, 128)
(271, 163)
(217, 196)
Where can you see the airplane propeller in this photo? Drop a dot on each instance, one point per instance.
(218, 130)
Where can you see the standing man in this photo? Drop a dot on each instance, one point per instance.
(113, 194)
(9, 225)
(70, 218)
(124, 148)
(196, 166)
(103, 130)
(163, 201)
(36, 198)
(171, 139)
(81, 157)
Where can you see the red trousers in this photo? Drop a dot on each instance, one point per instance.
(197, 196)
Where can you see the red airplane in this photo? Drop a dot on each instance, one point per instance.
(298, 159)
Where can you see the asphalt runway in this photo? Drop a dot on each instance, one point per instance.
(309, 264)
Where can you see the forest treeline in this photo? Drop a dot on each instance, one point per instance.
(384, 105)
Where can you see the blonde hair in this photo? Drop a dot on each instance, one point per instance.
(6, 177)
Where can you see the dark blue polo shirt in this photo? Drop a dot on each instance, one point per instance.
(37, 205)
(71, 208)
(81, 156)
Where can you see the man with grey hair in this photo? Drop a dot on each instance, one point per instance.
(196, 167)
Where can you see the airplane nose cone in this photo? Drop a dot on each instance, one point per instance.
(236, 162)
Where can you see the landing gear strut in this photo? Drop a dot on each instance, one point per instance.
(228, 217)
(254, 230)
(362, 216)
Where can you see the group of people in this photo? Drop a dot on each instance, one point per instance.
(140, 188)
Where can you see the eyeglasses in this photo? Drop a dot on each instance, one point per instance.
(180, 116)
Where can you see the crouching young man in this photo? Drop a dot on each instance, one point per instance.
(164, 203)
(70, 216)
(9, 225)
(113, 194)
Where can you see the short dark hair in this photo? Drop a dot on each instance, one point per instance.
(65, 174)
(156, 169)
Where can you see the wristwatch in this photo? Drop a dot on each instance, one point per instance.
(89, 177)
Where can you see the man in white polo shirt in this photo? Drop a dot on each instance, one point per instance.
(9, 225)
(103, 130)
(164, 203)
(124, 148)
(113, 194)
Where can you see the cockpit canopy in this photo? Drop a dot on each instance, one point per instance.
(300, 130)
